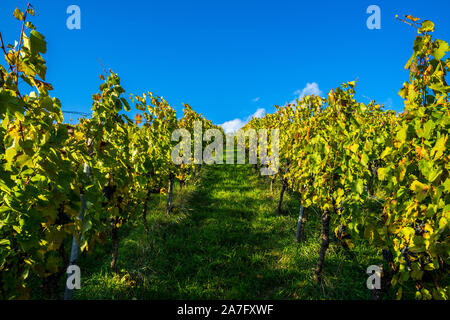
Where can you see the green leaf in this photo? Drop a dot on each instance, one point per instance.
(10, 154)
(446, 185)
(382, 173)
(418, 187)
(359, 186)
(439, 87)
(364, 159)
(440, 48)
(386, 152)
(4, 242)
(38, 43)
(18, 14)
(46, 102)
(23, 160)
(87, 225)
(417, 46)
(439, 147)
(29, 25)
(402, 134)
(427, 26)
(30, 11)
(408, 232)
(428, 127)
(125, 104)
(17, 229)
(426, 294)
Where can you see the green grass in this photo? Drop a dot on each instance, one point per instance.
(225, 241)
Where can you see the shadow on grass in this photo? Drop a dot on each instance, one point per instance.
(225, 241)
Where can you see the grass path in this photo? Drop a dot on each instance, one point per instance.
(224, 241)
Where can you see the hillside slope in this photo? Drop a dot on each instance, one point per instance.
(225, 241)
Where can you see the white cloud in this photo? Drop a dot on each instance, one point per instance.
(232, 125)
(256, 99)
(236, 124)
(310, 89)
(388, 103)
(261, 112)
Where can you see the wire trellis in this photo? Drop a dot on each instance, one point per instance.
(77, 113)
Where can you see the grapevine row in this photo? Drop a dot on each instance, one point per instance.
(105, 167)
(375, 174)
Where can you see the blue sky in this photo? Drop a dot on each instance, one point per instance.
(227, 59)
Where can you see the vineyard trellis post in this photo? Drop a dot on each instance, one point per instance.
(299, 232)
(68, 293)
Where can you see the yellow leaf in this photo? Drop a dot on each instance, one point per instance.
(410, 17)
(418, 188)
(29, 261)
